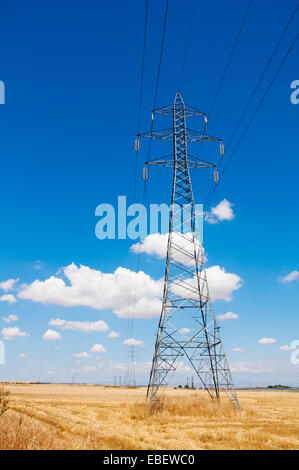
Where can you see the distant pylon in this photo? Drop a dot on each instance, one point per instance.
(130, 376)
(186, 298)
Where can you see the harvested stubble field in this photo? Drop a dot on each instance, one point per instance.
(87, 417)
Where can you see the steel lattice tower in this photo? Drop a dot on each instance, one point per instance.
(186, 292)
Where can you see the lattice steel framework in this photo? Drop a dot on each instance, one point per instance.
(186, 292)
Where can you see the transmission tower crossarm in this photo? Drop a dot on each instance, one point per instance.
(190, 136)
(167, 161)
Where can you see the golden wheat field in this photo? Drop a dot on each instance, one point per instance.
(89, 417)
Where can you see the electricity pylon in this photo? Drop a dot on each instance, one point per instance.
(186, 295)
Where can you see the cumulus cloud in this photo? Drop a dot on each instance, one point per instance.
(223, 211)
(292, 276)
(82, 354)
(51, 335)
(155, 244)
(184, 331)
(92, 288)
(183, 368)
(237, 349)
(271, 369)
(8, 285)
(113, 334)
(133, 342)
(13, 333)
(286, 347)
(267, 341)
(22, 356)
(221, 285)
(85, 326)
(98, 348)
(228, 316)
(142, 308)
(11, 318)
(119, 365)
(8, 298)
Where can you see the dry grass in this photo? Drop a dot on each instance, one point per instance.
(82, 417)
(4, 394)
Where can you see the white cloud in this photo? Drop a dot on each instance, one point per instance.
(51, 335)
(286, 348)
(140, 367)
(228, 316)
(11, 318)
(281, 371)
(22, 356)
(133, 342)
(183, 368)
(142, 308)
(267, 341)
(221, 284)
(37, 264)
(85, 326)
(250, 367)
(121, 366)
(98, 348)
(82, 354)
(89, 368)
(223, 211)
(156, 244)
(113, 334)
(12, 333)
(92, 288)
(238, 349)
(184, 331)
(8, 298)
(153, 244)
(292, 276)
(8, 285)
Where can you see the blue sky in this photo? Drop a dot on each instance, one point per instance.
(71, 74)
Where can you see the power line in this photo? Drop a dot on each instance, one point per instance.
(261, 102)
(152, 124)
(255, 112)
(138, 126)
(229, 59)
(155, 94)
(262, 76)
(158, 75)
(141, 93)
(131, 318)
(211, 191)
(190, 31)
(216, 97)
(161, 53)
